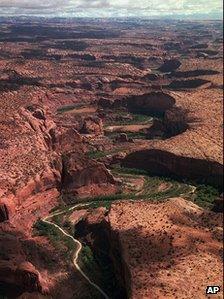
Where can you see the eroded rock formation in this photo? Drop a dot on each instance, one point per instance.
(92, 125)
(36, 166)
(175, 122)
(17, 273)
(164, 163)
(85, 177)
(21, 278)
(94, 230)
(154, 103)
(68, 140)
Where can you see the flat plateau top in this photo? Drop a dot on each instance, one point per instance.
(171, 249)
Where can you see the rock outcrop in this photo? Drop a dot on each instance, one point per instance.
(30, 174)
(36, 166)
(37, 111)
(22, 278)
(122, 137)
(157, 130)
(69, 140)
(154, 103)
(17, 273)
(84, 177)
(175, 122)
(92, 125)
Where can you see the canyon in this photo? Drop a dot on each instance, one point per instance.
(114, 134)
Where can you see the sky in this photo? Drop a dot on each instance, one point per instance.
(110, 8)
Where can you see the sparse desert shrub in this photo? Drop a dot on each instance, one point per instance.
(69, 227)
(69, 107)
(134, 119)
(96, 154)
(58, 219)
(205, 195)
(131, 171)
(55, 236)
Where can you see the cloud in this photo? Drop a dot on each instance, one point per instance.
(108, 7)
(86, 4)
(25, 4)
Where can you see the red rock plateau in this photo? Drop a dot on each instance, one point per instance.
(96, 111)
(161, 244)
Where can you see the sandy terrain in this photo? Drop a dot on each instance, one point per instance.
(171, 249)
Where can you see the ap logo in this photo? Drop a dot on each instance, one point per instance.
(212, 290)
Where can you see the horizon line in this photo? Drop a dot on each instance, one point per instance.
(177, 16)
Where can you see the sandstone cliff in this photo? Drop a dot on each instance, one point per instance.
(164, 163)
(154, 103)
(167, 248)
(84, 177)
(30, 175)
